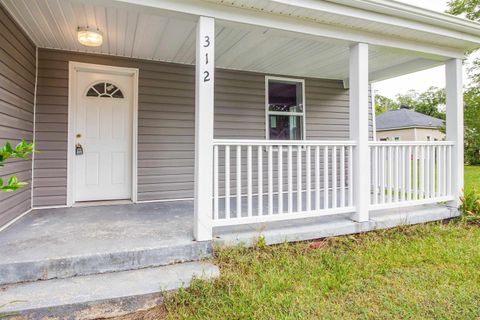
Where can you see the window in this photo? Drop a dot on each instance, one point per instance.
(285, 104)
(397, 138)
(105, 90)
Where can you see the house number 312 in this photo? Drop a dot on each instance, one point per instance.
(206, 74)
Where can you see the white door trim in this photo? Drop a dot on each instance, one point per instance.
(73, 68)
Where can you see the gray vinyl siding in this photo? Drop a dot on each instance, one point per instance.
(166, 120)
(17, 87)
(165, 126)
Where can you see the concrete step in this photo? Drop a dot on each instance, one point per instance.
(98, 296)
(66, 266)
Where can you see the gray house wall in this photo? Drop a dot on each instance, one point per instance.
(17, 87)
(166, 120)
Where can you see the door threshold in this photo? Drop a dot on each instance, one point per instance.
(101, 203)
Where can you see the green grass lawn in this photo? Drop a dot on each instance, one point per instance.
(472, 178)
(420, 272)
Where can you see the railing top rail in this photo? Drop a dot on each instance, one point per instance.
(236, 142)
(411, 143)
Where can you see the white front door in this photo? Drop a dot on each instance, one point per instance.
(103, 136)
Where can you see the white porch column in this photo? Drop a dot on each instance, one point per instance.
(454, 93)
(204, 106)
(359, 129)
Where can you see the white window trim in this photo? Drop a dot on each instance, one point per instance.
(301, 114)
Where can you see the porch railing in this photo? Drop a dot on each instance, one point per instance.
(410, 173)
(259, 181)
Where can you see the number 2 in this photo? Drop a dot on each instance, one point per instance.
(207, 76)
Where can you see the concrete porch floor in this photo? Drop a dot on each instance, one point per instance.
(66, 242)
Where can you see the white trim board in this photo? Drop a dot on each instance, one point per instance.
(73, 67)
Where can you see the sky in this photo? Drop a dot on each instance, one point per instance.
(422, 80)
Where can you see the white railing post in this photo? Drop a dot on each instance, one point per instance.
(204, 107)
(359, 129)
(454, 94)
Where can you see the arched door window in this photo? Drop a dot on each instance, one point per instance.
(105, 90)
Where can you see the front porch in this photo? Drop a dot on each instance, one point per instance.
(257, 121)
(67, 242)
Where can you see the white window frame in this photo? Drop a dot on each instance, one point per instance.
(268, 112)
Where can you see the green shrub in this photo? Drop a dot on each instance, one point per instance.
(21, 151)
(470, 207)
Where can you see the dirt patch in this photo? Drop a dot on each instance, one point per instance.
(157, 313)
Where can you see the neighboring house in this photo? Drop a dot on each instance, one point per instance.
(407, 125)
(181, 114)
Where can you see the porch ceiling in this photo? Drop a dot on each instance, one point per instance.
(154, 34)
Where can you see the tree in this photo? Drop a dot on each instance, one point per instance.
(472, 125)
(471, 10)
(21, 151)
(468, 8)
(383, 104)
(428, 102)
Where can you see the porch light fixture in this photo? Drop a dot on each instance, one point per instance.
(89, 37)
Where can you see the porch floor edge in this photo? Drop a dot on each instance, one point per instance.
(329, 226)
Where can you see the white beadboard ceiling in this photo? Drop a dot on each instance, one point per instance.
(138, 32)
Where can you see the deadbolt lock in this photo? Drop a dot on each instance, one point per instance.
(78, 149)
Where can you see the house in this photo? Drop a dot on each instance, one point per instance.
(162, 125)
(407, 125)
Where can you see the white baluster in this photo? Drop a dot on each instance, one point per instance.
(350, 176)
(390, 173)
(227, 182)
(249, 181)
(422, 172)
(270, 180)
(215, 182)
(309, 178)
(239, 182)
(342, 176)
(409, 173)
(325, 177)
(375, 174)
(280, 179)
(383, 179)
(317, 178)
(299, 179)
(260, 180)
(290, 180)
(427, 172)
(415, 173)
(397, 176)
(334, 177)
(449, 171)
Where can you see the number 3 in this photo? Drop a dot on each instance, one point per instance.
(207, 42)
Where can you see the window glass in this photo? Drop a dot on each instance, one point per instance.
(104, 90)
(285, 110)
